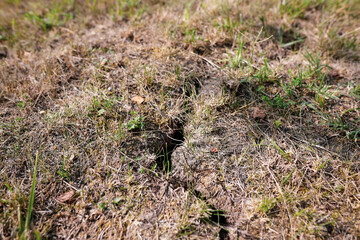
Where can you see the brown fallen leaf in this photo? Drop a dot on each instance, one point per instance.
(214, 150)
(259, 114)
(138, 99)
(66, 196)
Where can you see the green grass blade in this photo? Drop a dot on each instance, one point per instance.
(32, 194)
(283, 45)
(280, 150)
(21, 223)
(286, 179)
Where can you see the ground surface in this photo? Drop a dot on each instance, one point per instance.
(179, 119)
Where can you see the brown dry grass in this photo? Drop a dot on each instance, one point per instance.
(255, 105)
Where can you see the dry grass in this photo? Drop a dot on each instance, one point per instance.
(249, 128)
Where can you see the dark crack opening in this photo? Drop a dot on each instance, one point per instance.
(169, 142)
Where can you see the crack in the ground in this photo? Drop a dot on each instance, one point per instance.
(175, 137)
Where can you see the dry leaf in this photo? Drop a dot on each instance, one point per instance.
(259, 113)
(66, 196)
(138, 99)
(214, 150)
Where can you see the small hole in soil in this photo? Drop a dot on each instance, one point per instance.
(293, 39)
(217, 217)
(192, 85)
(169, 142)
(223, 234)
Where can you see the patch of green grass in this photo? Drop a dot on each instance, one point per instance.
(264, 73)
(267, 205)
(148, 75)
(298, 8)
(190, 35)
(355, 91)
(289, 94)
(350, 129)
(278, 102)
(16, 2)
(315, 66)
(237, 60)
(101, 106)
(136, 122)
(124, 9)
(229, 24)
(63, 173)
(54, 17)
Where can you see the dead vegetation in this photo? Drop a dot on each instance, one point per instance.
(190, 120)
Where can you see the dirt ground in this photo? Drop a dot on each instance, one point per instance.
(179, 119)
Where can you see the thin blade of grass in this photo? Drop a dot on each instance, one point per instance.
(280, 150)
(283, 45)
(21, 222)
(32, 194)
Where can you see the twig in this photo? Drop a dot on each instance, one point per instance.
(212, 64)
(207, 60)
(76, 189)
